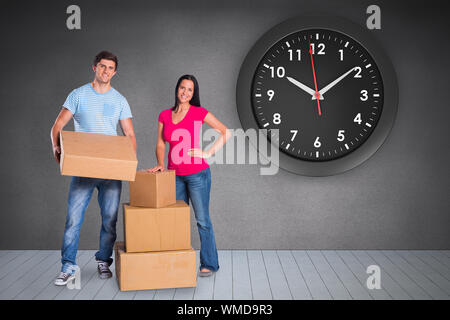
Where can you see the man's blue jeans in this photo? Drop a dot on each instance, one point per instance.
(80, 194)
(196, 187)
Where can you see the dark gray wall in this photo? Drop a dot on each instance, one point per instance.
(399, 198)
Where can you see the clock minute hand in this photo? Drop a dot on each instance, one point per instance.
(332, 84)
(303, 87)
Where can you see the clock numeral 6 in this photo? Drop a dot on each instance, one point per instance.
(364, 95)
(280, 72)
(341, 136)
(276, 118)
(317, 143)
(270, 93)
(358, 118)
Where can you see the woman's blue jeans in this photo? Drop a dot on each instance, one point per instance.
(196, 187)
(80, 194)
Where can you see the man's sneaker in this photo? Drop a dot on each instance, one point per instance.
(103, 270)
(63, 278)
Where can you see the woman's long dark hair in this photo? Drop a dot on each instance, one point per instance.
(195, 101)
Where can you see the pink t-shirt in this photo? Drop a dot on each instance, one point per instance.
(181, 137)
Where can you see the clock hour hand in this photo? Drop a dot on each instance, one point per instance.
(307, 89)
(335, 82)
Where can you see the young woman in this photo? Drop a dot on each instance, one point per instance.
(180, 126)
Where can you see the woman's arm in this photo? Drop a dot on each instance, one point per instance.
(160, 150)
(225, 134)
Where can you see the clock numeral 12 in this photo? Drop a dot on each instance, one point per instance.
(320, 46)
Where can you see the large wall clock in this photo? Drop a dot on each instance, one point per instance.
(327, 86)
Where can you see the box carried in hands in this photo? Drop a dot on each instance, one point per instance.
(97, 156)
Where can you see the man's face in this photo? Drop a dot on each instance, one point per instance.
(104, 70)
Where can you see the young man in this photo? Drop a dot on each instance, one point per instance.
(95, 107)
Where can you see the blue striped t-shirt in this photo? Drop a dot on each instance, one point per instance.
(97, 112)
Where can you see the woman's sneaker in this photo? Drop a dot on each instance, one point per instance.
(63, 278)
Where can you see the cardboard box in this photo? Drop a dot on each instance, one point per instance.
(155, 270)
(97, 156)
(157, 229)
(153, 189)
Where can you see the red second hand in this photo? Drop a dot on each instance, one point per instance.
(317, 95)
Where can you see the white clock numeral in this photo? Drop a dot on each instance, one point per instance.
(291, 54)
(276, 118)
(364, 95)
(280, 72)
(270, 93)
(341, 136)
(358, 72)
(294, 134)
(320, 46)
(317, 143)
(341, 53)
(358, 118)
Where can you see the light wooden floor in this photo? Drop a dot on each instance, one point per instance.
(247, 274)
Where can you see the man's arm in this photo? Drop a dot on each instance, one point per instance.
(127, 129)
(60, 122)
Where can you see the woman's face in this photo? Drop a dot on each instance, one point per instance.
(185, 91)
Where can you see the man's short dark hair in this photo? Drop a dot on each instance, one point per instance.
(106, 55)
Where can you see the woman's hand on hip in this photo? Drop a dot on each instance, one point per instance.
(199, 153)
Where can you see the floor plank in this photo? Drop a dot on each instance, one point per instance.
(223, 287)
(426, 284)
(258, 276)
(32, 275)
(10, 255)
(294, 277)
(277, 279)
(387, 281)
(360, 273)
(426, 270)
(50, 291)
(433, 262)
(246, 274)
(348, 279)
(316, 286)
(441, 257)
(144, 295)
(242, 288)
(17, 262)
(331, 280)
(22, 270)
(414, 290)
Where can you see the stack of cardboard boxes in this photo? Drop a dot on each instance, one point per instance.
(157, 252)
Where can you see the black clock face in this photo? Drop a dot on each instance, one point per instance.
(323, 91)
(326, 86)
